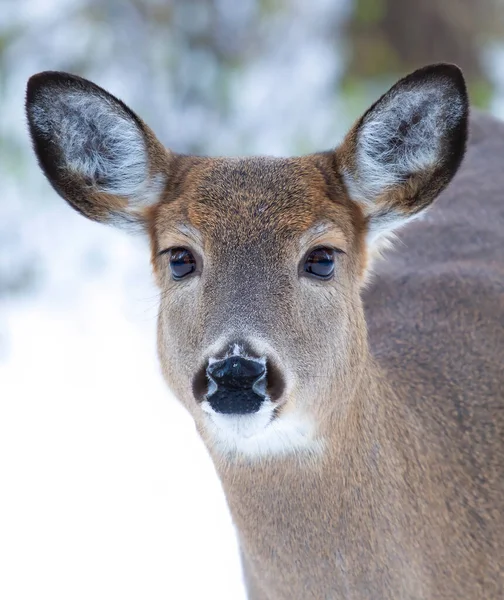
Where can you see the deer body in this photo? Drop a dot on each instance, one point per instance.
(359, 461)
(409, 499)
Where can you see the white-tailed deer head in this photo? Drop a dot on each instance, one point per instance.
(260, 261)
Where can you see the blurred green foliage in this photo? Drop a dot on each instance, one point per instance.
(388, 38)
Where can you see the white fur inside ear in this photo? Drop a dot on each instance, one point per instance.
(99, 141)
(401, 136)
(382, 232)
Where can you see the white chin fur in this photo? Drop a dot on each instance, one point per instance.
(260, 434)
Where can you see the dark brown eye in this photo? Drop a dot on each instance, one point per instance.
(182, 262)
(320, 263)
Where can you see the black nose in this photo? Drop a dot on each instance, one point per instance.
(236, 372)
(236, 385)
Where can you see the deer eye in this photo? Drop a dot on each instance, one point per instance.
(320, 263)
(182, 262)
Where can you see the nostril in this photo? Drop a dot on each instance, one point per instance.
(200, 384)
(275, 383)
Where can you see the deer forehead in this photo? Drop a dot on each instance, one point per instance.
(257, 201)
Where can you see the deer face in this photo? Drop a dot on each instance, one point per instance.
(260, 261)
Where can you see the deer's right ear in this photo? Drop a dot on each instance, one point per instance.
(96, 153)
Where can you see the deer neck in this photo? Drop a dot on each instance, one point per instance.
(338, 509)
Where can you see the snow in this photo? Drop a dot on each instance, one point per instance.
(107, 490)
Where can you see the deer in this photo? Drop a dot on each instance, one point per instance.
(352, 403)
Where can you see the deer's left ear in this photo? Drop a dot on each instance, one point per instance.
(406, 148)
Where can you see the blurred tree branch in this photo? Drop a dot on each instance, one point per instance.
(397, 36)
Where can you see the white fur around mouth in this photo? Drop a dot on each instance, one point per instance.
(242, 426)
(261, 433)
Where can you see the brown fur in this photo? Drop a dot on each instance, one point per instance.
(407, 498)
(408, 503)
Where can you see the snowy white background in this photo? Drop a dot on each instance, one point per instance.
(105, 489)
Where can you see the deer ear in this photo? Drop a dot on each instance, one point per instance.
(96, 153)
(406, 148)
